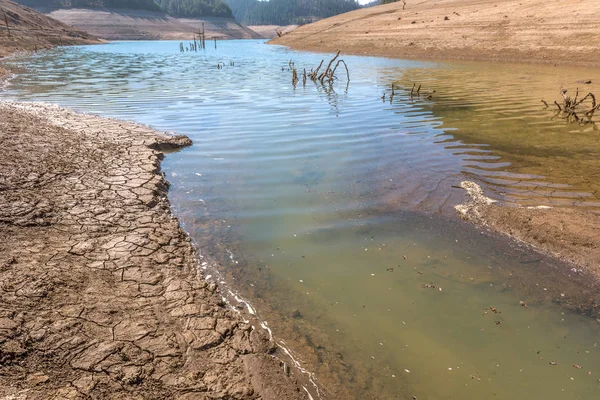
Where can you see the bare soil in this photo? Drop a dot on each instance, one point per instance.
(559, 32)
(29, 30)
(100, 291)
(122, 24)
(272, 31)
(570, 234)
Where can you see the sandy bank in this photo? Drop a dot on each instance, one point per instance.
(29, 30)
(570, 234)
(121, 24)
(101, 292)
(565, 32)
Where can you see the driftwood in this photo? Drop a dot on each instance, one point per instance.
(572, 108)
(328, 75)
(345, 66)
(313, 76)
(415, 91)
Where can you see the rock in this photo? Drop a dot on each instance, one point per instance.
(37, 378)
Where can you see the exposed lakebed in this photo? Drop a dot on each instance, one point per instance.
(331, 210)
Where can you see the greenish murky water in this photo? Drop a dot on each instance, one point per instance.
(330, 209)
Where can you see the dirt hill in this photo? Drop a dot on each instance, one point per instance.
(121, 24)
(29, 30)
(565, 31)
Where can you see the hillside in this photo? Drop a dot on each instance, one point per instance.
(30, 30)
(174, 8)
(287, 12)
(195, 8)
(146, 25)
(272, 31)
(566, 31)
(145, 20)
(148, 5)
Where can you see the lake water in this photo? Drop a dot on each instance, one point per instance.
(331, 209)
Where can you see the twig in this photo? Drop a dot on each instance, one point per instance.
(313, 76)
(345, 66)
(324, 74)
(6, 22)
(558, 105)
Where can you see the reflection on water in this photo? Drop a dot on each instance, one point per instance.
(521, 151)
(307, 197)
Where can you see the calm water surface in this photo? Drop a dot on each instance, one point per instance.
(331, 209)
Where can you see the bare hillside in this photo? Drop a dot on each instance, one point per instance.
(272, 31)
(29, 30)
(119, 24)
(565, 31)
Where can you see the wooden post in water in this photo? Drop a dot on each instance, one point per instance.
(6, 22)
(203, 37)
(214, 37)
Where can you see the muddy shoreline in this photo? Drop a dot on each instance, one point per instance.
(569, 234)
(102, 294)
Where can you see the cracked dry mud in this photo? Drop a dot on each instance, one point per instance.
(100, 294)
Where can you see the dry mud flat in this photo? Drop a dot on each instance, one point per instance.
(100, 291)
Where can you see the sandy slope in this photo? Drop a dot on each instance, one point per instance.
(30, 30)
(138, 25)
(564, 31)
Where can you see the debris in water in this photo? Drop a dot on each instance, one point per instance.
(523, 304)
(577, 366)
(499, 323)
(552, 362)
(391, 269)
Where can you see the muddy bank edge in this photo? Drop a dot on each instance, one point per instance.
(101, 291)
(570, 234)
